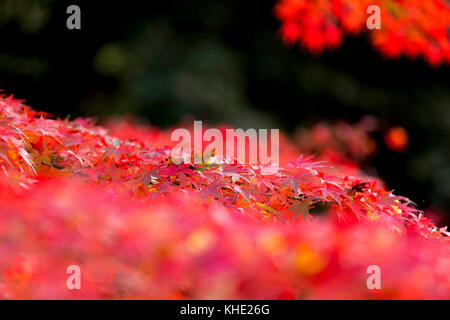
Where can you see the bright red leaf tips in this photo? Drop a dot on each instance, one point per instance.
(414, 28)
(139, 226)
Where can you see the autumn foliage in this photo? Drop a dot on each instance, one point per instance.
(414, 28)
(109, 200)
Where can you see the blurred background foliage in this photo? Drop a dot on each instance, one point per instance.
(224, 62)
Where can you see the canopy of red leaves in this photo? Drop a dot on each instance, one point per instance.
(141, 227)
(414, 28)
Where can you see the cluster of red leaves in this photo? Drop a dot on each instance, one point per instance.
(339, 142)
(141, 227)
(410, 27)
